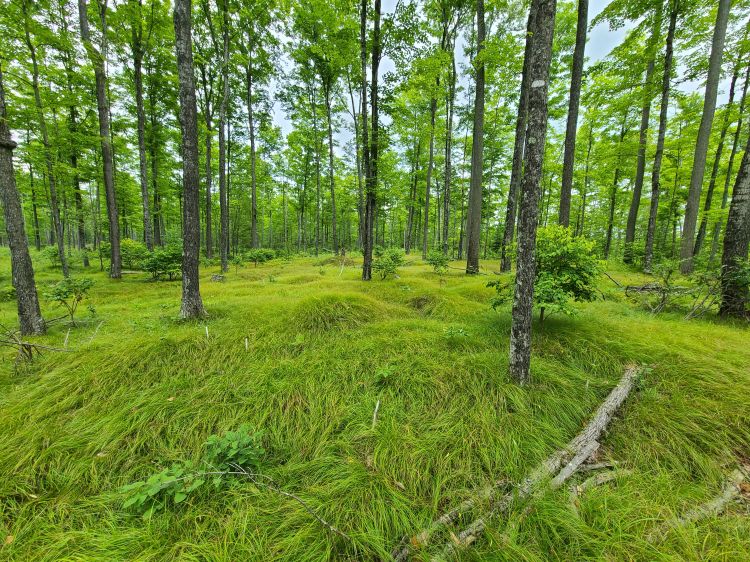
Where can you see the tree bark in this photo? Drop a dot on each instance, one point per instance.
(734, 290)
(372, 164)
(430, 165)
(54, 207)
(572, 124)
(474, 216)
(223, 189)
(331, 174)
(192, 304)
(658, 155)
(137, 42)
(251, 133)
(704, 134)
(518, 152)
(539, 65)
(450, 100)
(365, 233)
(635, 202)
(97, 60)
(22, 271)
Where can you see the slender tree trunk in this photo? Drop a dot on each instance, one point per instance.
(518, 151)
(450, 99)
(251, 133)
(372, 164)
(97, 60)
(734, 289)
(192, 304)
(34, 211)
(656, 170)
(331, 174)
(572, 124)
(474, 216)
(613, 192)
(223, 189)
(54, 207)
(704, 134)
(209, 205)
(541, 54)
(715, 169)
(730, 166)
(29, 315)
(586, 182)
(140, 113)
(430, 166)
(635, 202)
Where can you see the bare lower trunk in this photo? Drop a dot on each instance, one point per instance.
(192, 304)
(572, 124)
(430, 165)
(448, 147)
(704, 134)
(372, 163)
(29, 316)
(539, 64)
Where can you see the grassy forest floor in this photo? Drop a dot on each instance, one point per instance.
(140, 389)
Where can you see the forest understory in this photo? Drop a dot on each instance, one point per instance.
(380, 406)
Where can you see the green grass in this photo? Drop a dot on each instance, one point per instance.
(147, 390)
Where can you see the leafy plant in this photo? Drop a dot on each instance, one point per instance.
(172, 484)
(241, 448)
(68, 293)
(439, 261)
(388, 261)
(566, 270)
(51, 254)
(164, 262)
(133, 253)
(384, 375)
(7, 293)
(455, 332)
(238, 261)
(260, 255)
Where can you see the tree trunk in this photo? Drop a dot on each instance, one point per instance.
(704, 134)
(371, 165)
(54, 207)
(518, 152)
(715, 168)
(430, 165)
(656, 170)
(29, 315)
(539, 64)
(251, 133)
(572, 124)
(192, 304)
(730, 166)
(474, 216)
(35, 214)
(138, 79)
(97, 60)
(635, 202)
(734, 289)
(223, 189)
(450, 99)
(331, 175)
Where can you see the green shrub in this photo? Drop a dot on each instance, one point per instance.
(566, 269)
(133, 254)
(164, 262)
(388, 261)
(260, 255)
(52, 255)
(439, 261)
(241, 448)
(68, 293)
(171, 484)
(7, 293)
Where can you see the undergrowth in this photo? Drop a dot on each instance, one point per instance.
(303, 351)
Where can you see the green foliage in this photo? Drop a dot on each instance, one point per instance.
(164, 262)
(7, 293)
(439, 261)
(133, 254)
(241, 448)
(260, 255)
(171, 485)
(238, 261)
(68, 293)
(52, 255)
(566, 270)
(384, 376)
(387, 261)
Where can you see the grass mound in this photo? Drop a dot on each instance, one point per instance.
(336, 311)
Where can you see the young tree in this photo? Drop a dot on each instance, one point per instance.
(192, 304)
(543, 16)
(704, 133)
(29, 316)
(97, 60)
(474, 217)
(572, 124)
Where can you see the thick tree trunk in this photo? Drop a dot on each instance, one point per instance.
(54, 207)
(138, 79)
(715, 169)
(474, 216)
(635, 202)
(734, 289)
(704, 135)
(572, 124)
(518, 153)
(656, 170)
(428, 180)
(29, 316)
(97, 60)
(539, 64)
(192, 304)
(331, 171)
(730, 166)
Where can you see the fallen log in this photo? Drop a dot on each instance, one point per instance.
(565, 461)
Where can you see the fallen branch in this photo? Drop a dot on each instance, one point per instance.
(594, 481)
(715, 506)
(565, 461)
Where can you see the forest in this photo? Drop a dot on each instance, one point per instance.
(401, 280)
